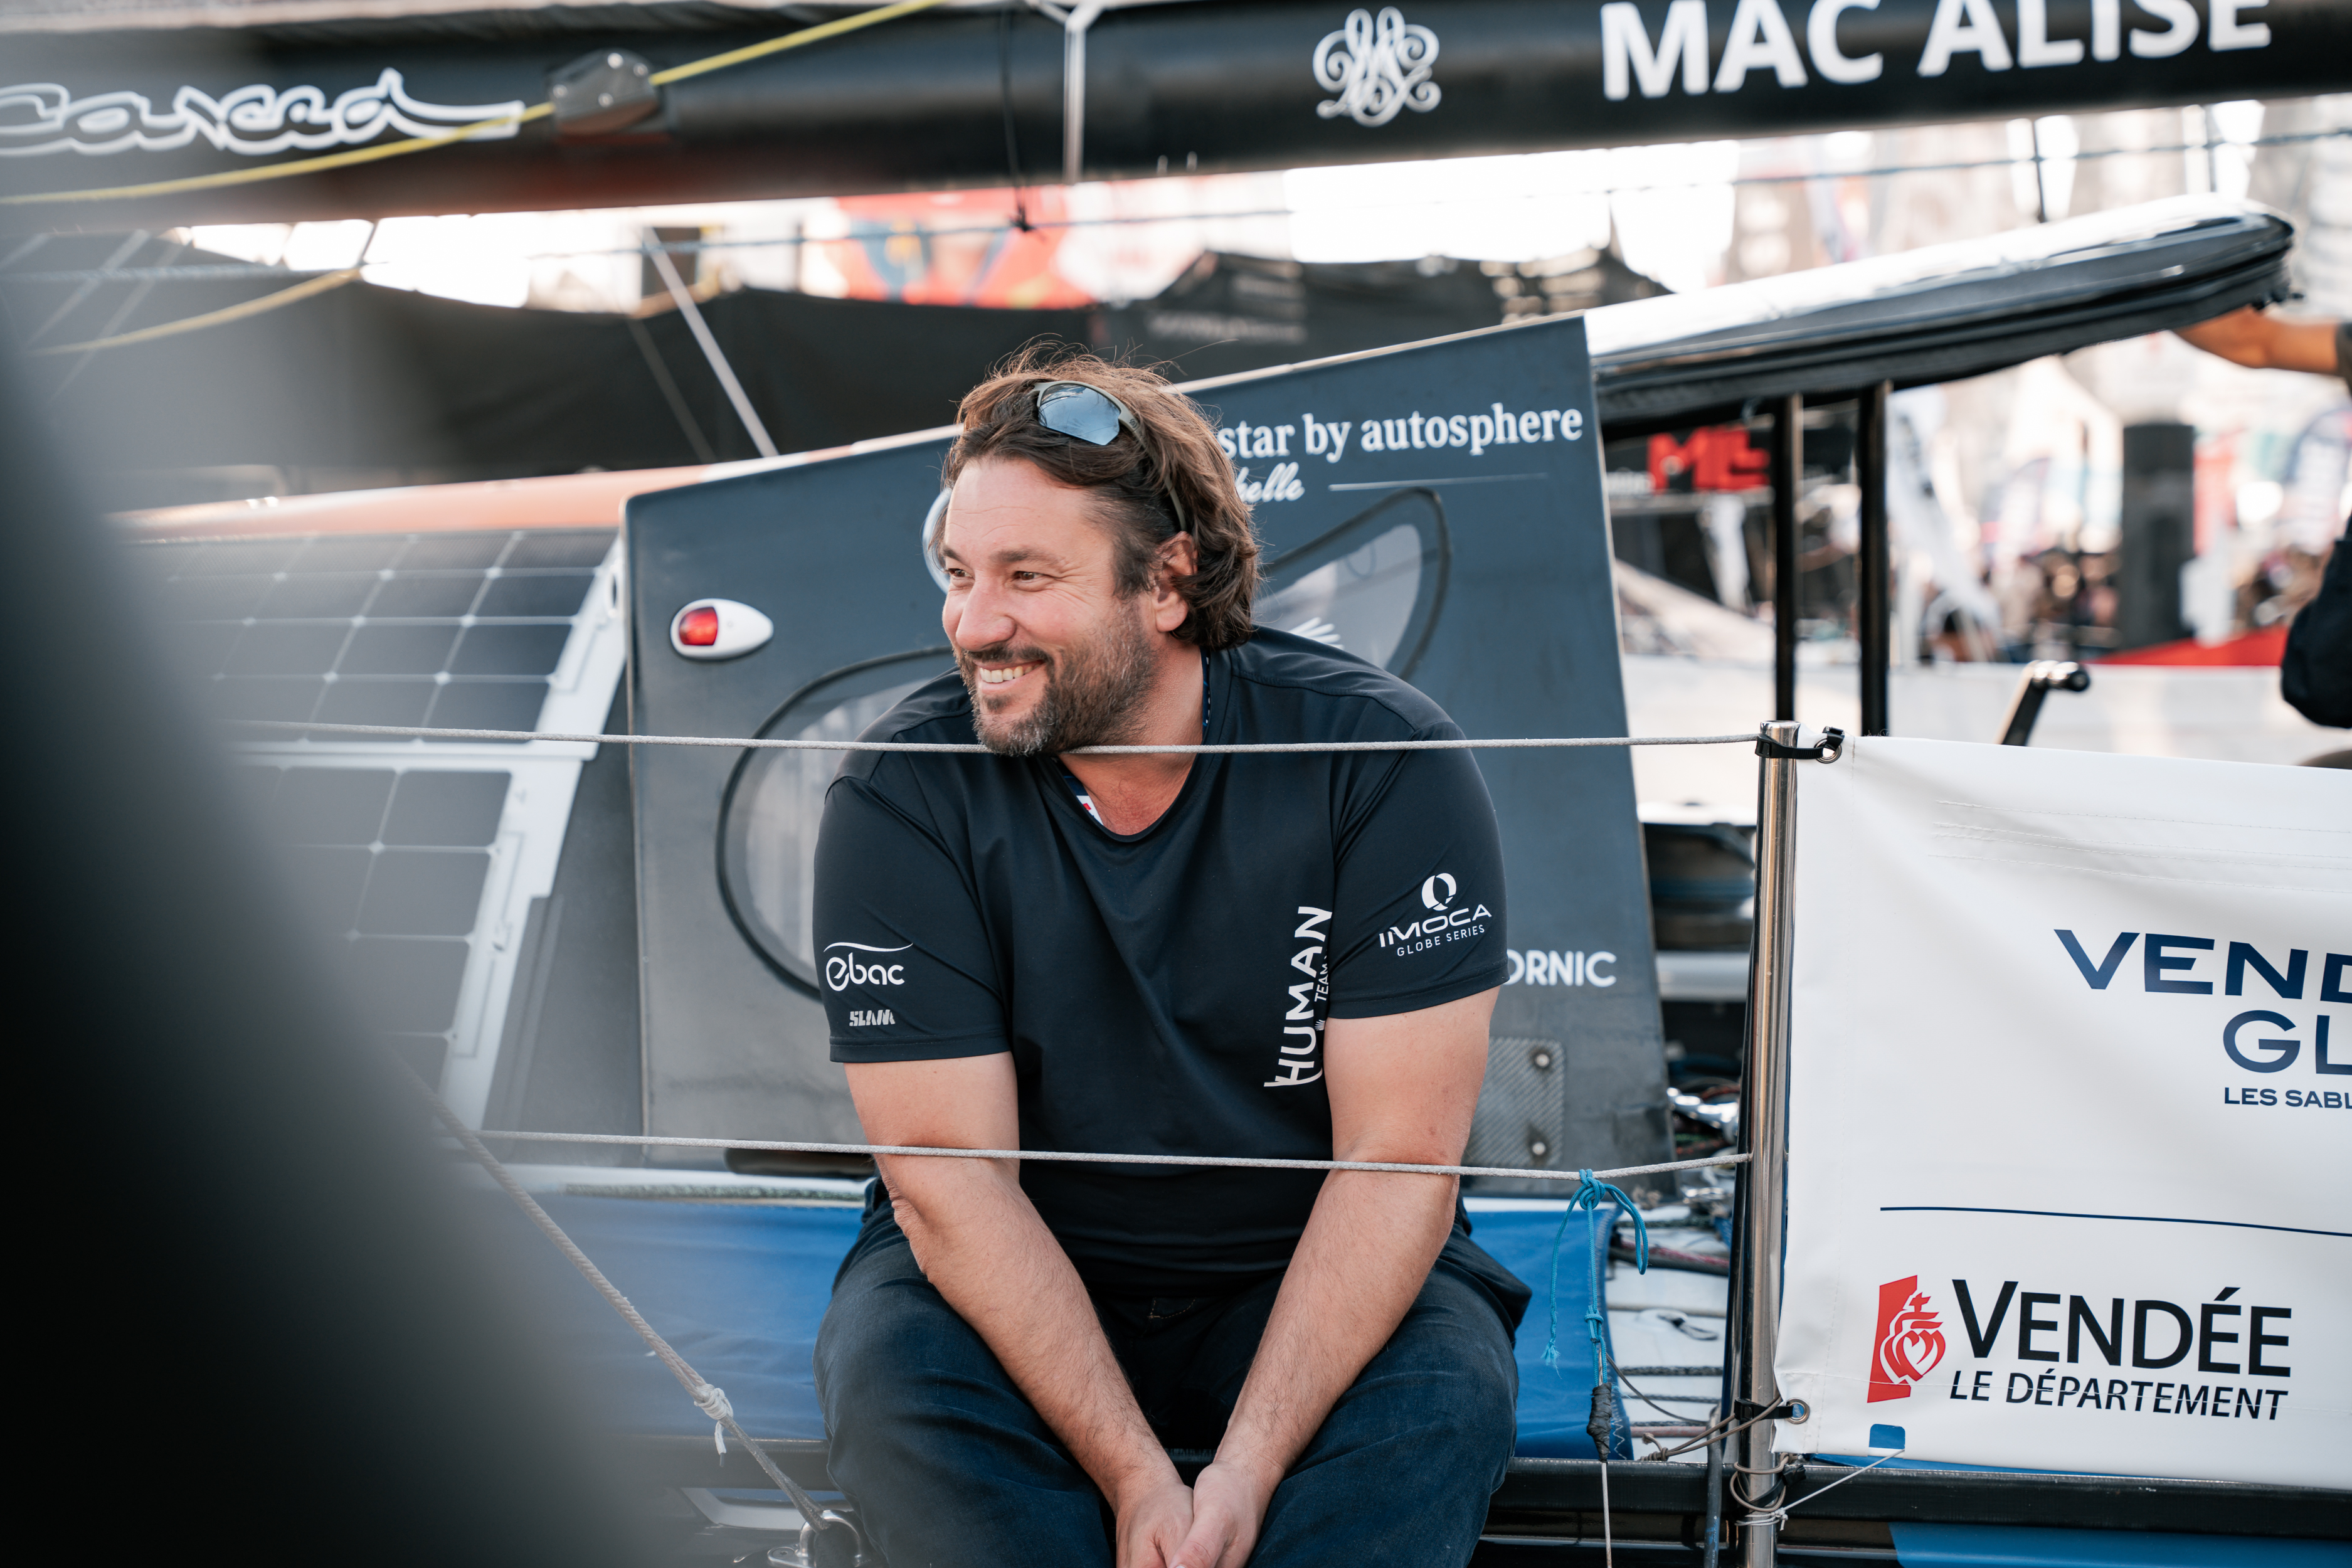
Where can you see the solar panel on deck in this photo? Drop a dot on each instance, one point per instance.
(510, 650)
(485, 705)
(304, 597)
(228, 597)
(331, 806)
(166, 560)
(368, 553)
(457, 631)
(462, 630)
(328, 879)
(277, 699)
(458, 551)
(554, 593)
(559, 547)
(289, 647)
(444, 596)
(403, 702)
(408, 988)
(390, 864)
(419, 807)
(202, 647)
(446, 809)
(231, 557)
(423, 892)
(399, 649)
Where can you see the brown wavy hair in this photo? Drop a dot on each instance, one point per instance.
(1178, 456)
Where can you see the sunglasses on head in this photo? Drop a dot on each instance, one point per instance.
(1090, 414)
(1069, 408)
(1084, 413)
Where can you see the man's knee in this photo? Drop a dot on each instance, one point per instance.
(929, 1437)
(1481, 1399)
(903, 1381)
(1482, 1420)
(889, 1339)
(1465, 1405)
(1432, 1416)
(1448, 1375)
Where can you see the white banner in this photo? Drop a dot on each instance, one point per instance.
(2070, 1135)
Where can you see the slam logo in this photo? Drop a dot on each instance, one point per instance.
(1908, 1342)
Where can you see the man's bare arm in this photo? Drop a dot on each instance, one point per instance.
(2250, 337)
(983, 1246)
(1403, 1089)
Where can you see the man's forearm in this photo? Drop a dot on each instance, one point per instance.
(1366, 1251)
(2254, 338)
(983, 1246)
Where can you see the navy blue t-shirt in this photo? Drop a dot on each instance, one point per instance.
(1163, 992)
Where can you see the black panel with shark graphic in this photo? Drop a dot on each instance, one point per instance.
(1436, 508)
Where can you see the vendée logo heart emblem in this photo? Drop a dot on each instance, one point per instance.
(1908, 1344)
(1914, 1346)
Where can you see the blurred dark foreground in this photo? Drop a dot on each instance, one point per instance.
(253, 1310)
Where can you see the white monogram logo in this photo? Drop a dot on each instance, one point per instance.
(1377, 68)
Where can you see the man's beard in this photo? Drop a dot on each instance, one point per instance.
(1094, 693)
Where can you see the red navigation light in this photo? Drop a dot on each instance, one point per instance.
(717, 628)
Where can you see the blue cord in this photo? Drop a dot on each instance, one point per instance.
(1591, 1195)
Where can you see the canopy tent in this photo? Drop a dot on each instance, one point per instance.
(1858, 331)
(367, 386)
(410, 386)
(1942, 313)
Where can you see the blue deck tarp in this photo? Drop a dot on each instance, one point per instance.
(740, 1289)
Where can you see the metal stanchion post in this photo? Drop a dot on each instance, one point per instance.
(1763, 1127)
(1788, 481)
(1871, 565)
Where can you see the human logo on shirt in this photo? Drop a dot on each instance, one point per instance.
(845, 969)
(1450, 922)
(1301, 1062)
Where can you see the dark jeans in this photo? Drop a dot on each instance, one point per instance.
(949, 1465)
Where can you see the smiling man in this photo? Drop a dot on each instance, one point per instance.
(1156, 954)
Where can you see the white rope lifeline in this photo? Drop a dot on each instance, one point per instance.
(958, 749)
(1779, 1516)
(708, 1397)
(1235, 1162)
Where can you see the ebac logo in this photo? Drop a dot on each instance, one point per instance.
(843, 969)
(1908, 1343)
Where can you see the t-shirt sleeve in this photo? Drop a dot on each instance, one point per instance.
(1419, 890)
(903, 959)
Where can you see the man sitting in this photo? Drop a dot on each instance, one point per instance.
(1159, 954)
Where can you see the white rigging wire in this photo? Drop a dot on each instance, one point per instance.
(1236, 1162)
(965, 749)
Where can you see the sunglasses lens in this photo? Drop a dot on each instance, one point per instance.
(1079, 412)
